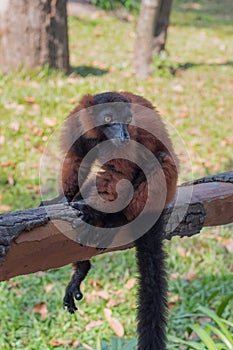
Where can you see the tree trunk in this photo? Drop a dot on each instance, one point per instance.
(145, 30)
(33, 33)
(161, 26)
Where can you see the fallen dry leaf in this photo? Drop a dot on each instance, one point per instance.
(130, 283)
(50, 121)
(29, 99)
(223, 241)
(41, 273)
(181, 251)
(227, 142)
(229, 247)
(4, 208)
(98, 32)
(119, 292)
(57, 342)
(189, 276)
(37, 131)
(10, 180)
(27, 83)
(2, 139)
(195, 6)
(100, 294)
(112, 303)
(126, 74)
(112, 70)
(72, 80)
(130, 18)
(93, 324)
(30, 124)
(35, 107)
(86, 346)
(95, 283)
(90, 298)
(114, 323)
(49, 287)
(116, 326)
(204, 319)
(178, 88)
(8, 164)
(81, 312)
(107, 313)
(193, 132)
(73, 100)
(75, 344)
(173, 301)
(15, 125)
(174, 275)
(41, 309)
(15, 106)
(98, 14)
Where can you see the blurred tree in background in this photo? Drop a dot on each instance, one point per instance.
(33, 33)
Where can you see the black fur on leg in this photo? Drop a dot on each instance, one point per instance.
(73, 289)
(152, 309)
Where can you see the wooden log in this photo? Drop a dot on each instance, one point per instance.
(30, 241)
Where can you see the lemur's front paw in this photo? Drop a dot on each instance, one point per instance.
(86, 213)
(88, 220)
(72, 292)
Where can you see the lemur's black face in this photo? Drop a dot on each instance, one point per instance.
(115, 118)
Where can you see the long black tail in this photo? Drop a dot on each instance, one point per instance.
(152, 309)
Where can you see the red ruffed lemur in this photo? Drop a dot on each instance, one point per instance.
(109, 116)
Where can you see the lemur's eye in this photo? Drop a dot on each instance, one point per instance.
(108, 119)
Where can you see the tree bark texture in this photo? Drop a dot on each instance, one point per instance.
(33, 33)
(30, 241)
(144, 39)
(161, 25)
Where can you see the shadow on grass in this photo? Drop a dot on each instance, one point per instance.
(208, 13)
(84, 71)
(189, 65)
(173, 69)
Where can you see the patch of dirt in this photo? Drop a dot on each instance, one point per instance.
(80, 8)
(83, 8)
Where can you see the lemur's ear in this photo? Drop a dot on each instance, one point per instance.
(87, 101)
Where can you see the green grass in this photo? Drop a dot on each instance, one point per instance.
(197, 101)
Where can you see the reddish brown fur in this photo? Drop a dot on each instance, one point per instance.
(124, 169)
(147, 129)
